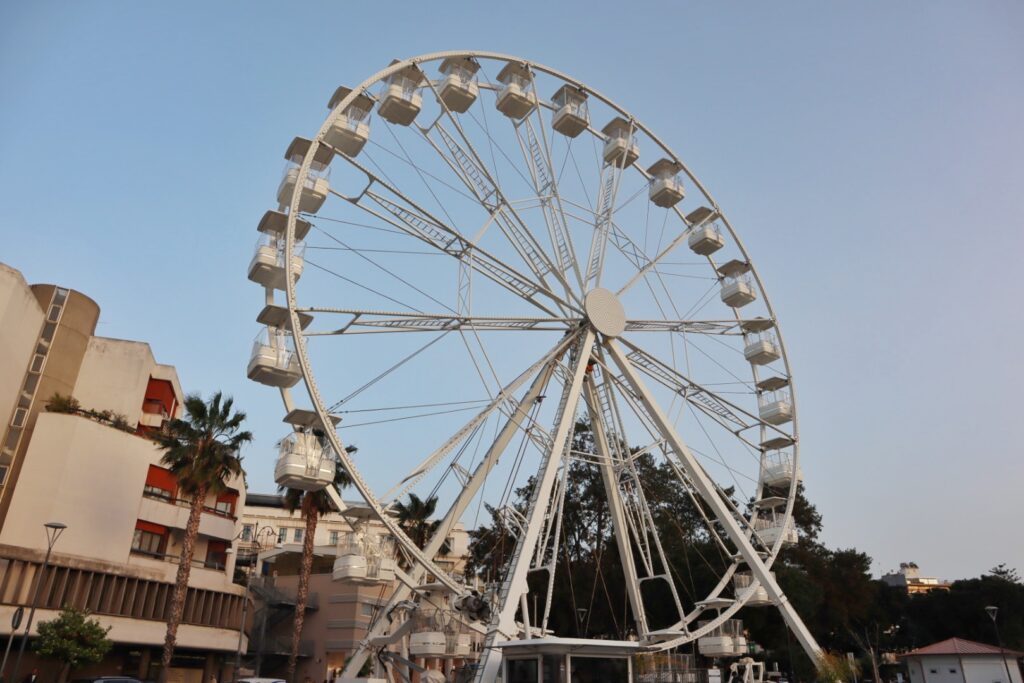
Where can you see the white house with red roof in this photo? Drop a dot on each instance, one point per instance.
(963, 661)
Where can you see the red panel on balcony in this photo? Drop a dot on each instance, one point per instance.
(162, 479)
(159, 398)
(150, 527)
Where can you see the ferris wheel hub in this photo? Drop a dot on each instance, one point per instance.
(605, 312)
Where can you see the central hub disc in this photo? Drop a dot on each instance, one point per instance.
(604, 312)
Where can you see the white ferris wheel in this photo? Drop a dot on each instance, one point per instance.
(473, 253)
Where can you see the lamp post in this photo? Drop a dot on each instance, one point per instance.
(53, 532)
(993, 612)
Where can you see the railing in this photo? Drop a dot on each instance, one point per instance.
(207, 563)
(769, 397)
(271, 594)
(185, 503)
(154, 406)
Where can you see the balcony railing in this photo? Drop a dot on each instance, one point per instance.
(185, 503)
(208, 563)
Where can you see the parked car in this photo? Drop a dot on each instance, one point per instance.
(107, 679)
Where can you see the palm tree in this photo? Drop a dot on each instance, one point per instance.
(202, 451)
(313, 504)
(414, 518)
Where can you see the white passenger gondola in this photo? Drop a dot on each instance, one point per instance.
(570, 117)
(350, 130)
(516, 98)
(774, 402)
(315, 189)
(273, 360)
(705, 237)
(400, 100)
(742, 582)
(305, 462)
(620, 145)
(737, 285)
(777, 470)
(458, 89)
(666, 189)
(770, 521)
(760, 345)
(267, 266)
(721, 641)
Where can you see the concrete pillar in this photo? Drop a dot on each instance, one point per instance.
(144, 659)
(209, 666)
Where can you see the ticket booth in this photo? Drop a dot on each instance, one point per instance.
(568, 660)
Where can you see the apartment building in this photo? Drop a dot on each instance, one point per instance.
(93, 467)
(340, 610)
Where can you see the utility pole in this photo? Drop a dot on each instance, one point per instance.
(53, 532)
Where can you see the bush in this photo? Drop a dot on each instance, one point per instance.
(73, 639)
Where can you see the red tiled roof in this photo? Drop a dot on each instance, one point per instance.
(960, 647)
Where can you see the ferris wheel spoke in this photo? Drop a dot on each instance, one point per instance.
(652, 263)
(413, 221)
(610, 179)
(514, 585)
(712, 327)
(735, 419)
(364, 321)
(462, 158)
(537, 154)
(544, 366)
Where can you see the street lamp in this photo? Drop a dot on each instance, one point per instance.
(53, 532)
(993, 612)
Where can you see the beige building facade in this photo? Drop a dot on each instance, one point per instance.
(94, 468)
(340, 611)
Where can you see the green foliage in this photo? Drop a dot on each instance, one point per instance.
(415, 519)
(834, 668)
(1001, 571)
(203, 450)
(73, 639)
(60, 403)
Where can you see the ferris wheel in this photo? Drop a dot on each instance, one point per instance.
(473, 254)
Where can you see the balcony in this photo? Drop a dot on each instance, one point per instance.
(154, 414)
(173, 512)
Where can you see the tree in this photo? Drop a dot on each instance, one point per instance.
(203, 453)
(1001, 571)
(312, 504)
(73, 639)
(415, 519)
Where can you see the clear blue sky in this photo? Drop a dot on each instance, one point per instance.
(869, 153)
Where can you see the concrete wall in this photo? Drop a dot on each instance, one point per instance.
(91, 477)
(20, 320)
(114, 375)
(991, 670)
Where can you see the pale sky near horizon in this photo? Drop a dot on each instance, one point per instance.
(870, 154)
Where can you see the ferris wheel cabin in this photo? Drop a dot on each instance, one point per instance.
(268, 267)
(304, 462)
(276, 223)
(760, 345)
(571, 116)
(770, 521)
(350, 130)
(458, 89)
(273, 360)
(777, 470)
(725, 640)
(516, 98)
(737, 285)
(705, 237)
(364, 557)
(666, 188)
(620, 146)
(400, 101)
(774, 401)
(315, 189)
(742, 582)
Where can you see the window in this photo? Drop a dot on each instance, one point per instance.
(282, 535)
(160, 484)
(247, 532)
(334, 537)
(3, 474)
(155, 492)
(216, 554)
(368, 609)
(298, 535)
(149, 538)
(225, 507)
(226, 503)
